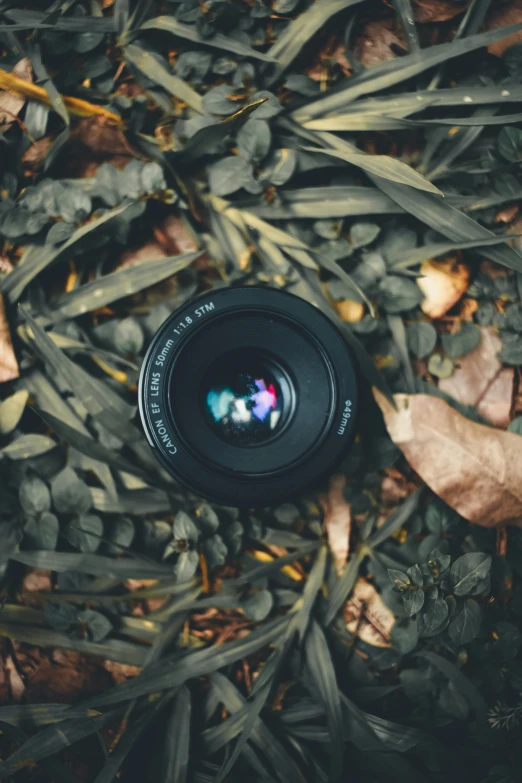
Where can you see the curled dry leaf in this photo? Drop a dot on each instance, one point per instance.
(495, 405)
(367, 616)
(475, 469)
(337, 520)
(436, 10)
(11, 104)
(443, 283)
(15, 683)
(349, 310)
(8, 364)
(478, 379)
(504, 15)
(379, 41)
(121, 671)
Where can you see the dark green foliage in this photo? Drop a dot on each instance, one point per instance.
(272, 177)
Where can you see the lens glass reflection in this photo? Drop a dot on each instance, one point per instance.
(243, 401)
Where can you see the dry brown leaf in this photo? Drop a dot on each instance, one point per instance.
(477, 470)
(443, 283)
(121, 671)
(395, 487)
(505, 14)
(367, 616)
(436, 10)
(337, 520)
(379, 41)
(19, 85)
(507, 214)
(496, 403)
(34, 156)
(16, 684)
(11, 105)
(349, 310)
(478, 378)
(37, 580)
(8, 364)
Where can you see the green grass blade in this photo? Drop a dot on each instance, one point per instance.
(326, 202)
(392, 72)
(151, 67)
(177, 736)
(321, 668)
(51, 741)
(457, 678)
(32, 715)
(398, 332)
(396, 519)
(97, 565)
(36, 259)
(218, 41)
(300, 30)
(198, 663)
(284, 766)
(98, 398)
(383, 166)
(343, 586)
(405, 13)
(112, 287)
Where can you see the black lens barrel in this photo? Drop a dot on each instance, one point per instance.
(316, 371)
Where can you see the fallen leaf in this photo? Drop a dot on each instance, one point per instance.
(11, 104)
(475, 469)
(349, 310)
(379, 41)
(8, 364)
(507, 214)
(395, 487)
(337, 520)
(24, 89)
(16, 684)
(495, 405)
(101, 136)
(34, 156)
(367, 616)
(37, 580)
(467, 308)
(478, 379)
(121, 671)
(436, 10)
(510, 13)
(443, 283)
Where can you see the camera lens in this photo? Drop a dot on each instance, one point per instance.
(248, 395)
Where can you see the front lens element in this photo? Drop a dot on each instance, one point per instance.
(243, 400)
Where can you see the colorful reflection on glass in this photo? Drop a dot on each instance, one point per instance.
(247, 409)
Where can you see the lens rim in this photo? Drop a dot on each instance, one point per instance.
(240, 489)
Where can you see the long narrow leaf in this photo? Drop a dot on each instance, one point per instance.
(97, 398)
(321, 668)
(51, 741)
(36, 258)
(218, 40)
(392, 72)
(405, 12)
(193, 664)
(383, 166)
(152, 68)
(301, 29)
(125, 567)
(126, 282)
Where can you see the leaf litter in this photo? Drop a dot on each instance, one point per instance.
(331, 129)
